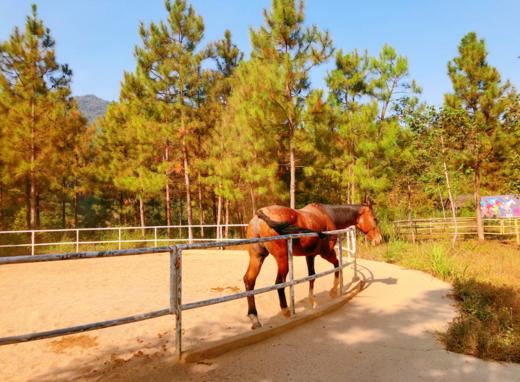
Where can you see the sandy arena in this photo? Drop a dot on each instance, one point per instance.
(386, 333)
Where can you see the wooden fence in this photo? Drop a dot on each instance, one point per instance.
(439, 228)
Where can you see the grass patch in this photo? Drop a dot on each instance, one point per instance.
(486, 283)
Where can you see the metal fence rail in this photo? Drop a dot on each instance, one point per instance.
(148, 234)
(175, 279)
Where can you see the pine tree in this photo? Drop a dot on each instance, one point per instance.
(221, 173)
(251, 127)
(284, 41)
(479, 99)
(131, 137)
(40, 114)
(170, 69)
(366, 97)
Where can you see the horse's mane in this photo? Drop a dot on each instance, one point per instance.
(342, 215)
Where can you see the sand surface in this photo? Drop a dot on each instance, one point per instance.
(386, 333)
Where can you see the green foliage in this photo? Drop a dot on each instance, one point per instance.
(474, 115)
(441, 266)
(41, 127)
(284, 42)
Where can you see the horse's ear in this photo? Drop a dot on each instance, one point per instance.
(369, 202)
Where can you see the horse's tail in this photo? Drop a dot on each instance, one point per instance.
(285, 228)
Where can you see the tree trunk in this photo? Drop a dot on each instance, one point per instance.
(136, 212)
(63, 205)
(253, 200)
(292, 126)
(201, 211)
(75, 201)
(353, 193)
(38, 210)
(180, 217)
(32, 198)
(292, 188)
(32, 177)
(27, 203)
(409, 212)
(214, 206)
(226, 231)
(450, 195)
(442, 205)
(167, 201)
(478, 213)
(188, 189)
(242, 219)
(2, 207)
(121, 204)
(141, 215)
(219, 216)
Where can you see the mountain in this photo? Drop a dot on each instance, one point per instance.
(91, 106)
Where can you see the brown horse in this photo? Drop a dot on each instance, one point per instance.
(279, 220)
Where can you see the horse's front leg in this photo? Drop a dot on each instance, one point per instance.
(310, 268)
(333, 259)
(257, 255)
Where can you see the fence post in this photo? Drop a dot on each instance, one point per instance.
(77, 240)
(354, 253)
(119, 237)
(349, 247)
(291, 274)
(340, 255)
(155, 236)
(178, 303)
(32, 243)
(175, 307)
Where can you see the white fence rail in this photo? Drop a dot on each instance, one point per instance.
(347, 236)
(76, 237)
(434, 228)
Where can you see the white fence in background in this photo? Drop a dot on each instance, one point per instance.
(118, 236)
(443, 228)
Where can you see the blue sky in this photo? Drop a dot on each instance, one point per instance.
(96, 38)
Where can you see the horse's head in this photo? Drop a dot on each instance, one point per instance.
(367, 223)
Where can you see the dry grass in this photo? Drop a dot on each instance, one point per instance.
(486, 283)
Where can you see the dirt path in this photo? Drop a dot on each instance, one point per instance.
(386, 333)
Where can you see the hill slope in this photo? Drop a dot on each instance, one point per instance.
(91, 106)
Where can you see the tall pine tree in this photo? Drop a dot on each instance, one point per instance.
(285, 41)
(479, 98)
(169, 64)
(40, 114)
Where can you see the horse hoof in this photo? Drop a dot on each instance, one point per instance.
(286, 312)
(312, 303)
(333, 293)
(255, 322)
(256, 325)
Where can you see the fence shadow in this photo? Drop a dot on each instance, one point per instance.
(366, 339)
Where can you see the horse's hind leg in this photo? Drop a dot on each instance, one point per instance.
(310, 268)
(281, 276)
(333, 259)
(257, 255)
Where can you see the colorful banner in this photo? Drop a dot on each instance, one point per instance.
(500, 206)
